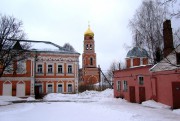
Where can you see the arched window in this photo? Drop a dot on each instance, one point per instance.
(91, 61)
(87, 47)
(90, 47)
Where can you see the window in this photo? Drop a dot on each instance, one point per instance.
(118, 85)
(60, 88)
(69, 87)
(50, 88)
(90, 47)
(125, 85)
(60, 69)
(91, 61)
(87, 47)
(50, 68)
(69, 69)
(21, 67)
(178, 58)
(141, 80)
(39, 69)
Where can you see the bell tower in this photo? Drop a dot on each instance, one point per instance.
(89, 55)
(89, 74)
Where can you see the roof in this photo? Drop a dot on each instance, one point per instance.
(45, 46)
(137, 52)
(89, 32)
(168, 63)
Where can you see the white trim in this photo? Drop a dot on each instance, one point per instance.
(52, 87)
(7, 88)
(60, 74)
(20, 91)
(125, 87)
(39, 63)
(118, 85)
(139, 80)
(62, 87)
(131, 65)
(72, 87)
(49, 63)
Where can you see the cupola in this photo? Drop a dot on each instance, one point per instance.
(89, 32)
(136, 57)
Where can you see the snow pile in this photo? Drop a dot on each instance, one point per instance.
(3, 103)
(177, 111)
(6, 100)
(84, 96)
(30, 99)
(153, 104)
(9, 98)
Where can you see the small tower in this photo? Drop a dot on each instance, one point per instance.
(89, 71)
(136, 57)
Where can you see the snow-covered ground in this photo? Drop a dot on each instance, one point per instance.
(86, 106)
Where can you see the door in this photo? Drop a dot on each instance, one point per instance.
(142, 94)
(38, 91)
(176, 94)
(7, 88)
(20, 89)
(132, 94)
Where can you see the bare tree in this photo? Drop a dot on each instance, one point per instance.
(10, 49)
(176, 37)
(147, 26)
(173, 5)
(69, 47)
(114, 66)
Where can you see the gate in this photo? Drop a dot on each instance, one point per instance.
(132, 94)
(142, 94)
(176, 94)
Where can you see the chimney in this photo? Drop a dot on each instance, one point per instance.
(168, 38)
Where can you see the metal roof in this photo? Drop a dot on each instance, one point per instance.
(137, 52)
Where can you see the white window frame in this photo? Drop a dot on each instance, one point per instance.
(62, 87)
(139, 80)
(42, 68)
(68, 89)
(62, 69)
(125, 85)
(47, 64)
(118, 84)
(49, 69)
(52, 87)
(71, 74)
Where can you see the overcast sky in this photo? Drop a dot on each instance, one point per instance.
(65, 21)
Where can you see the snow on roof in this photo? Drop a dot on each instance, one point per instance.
(168, 63)
(46, 46)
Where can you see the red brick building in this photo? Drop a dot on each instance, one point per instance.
(143, 82)
(132, 83)
(89, 73)
(50, 69)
